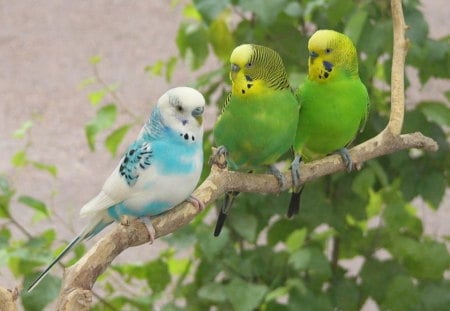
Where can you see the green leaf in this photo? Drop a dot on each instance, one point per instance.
(46, 292)
(35, 204)
(51, 169)
(96, 59)
(6, 194)
(212, 292)
(296, 239)
(401, 295)
(178, 266)
(20, 159)
(86, 82)
(5, 236)
(192, 42)
(209, 9)
(244, 295)
(170, 68)
(157, 275)
(267, 13)
(376, 275)
(355, 25)
(363, 182)
(346, 295)
(436, 112)
(104, 119)
(221, 39)
(436, 297)
(212, 246)
(96, 97)
(311, 260)
(245, 224)
(432, 188)
(114, 139)
(280, 231)
(156, 68)
(426, 259)
(23, 130)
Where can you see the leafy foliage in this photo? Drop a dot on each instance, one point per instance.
(262, 260)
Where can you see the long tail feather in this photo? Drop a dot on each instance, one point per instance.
(96, 225)
(227, 203)
(294, 204)
(68, 248)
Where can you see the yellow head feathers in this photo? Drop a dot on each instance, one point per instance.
(331, 53)
(256, 69)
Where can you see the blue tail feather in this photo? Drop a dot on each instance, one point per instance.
(88, 232)
(68, 248)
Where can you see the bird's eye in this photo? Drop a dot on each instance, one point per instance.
(328, 50)
(179, 108)
(249, 64)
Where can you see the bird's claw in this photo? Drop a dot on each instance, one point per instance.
(124, 220)
(219, 157)
(279, 176)
(346, 158)
(295, 171)
(196, 202)
(151, 230)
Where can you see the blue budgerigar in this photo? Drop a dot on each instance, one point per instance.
(158, 171)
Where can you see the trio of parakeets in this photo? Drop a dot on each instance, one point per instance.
(262, 119)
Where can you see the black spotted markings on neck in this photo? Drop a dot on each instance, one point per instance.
(187, 136)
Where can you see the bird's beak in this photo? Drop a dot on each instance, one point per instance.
(197, 113)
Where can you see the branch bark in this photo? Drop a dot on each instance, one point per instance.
(79, 279)
(8, 299)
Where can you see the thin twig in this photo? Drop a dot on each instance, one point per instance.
(400, 48)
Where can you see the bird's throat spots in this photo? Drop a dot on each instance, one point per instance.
(186, 136)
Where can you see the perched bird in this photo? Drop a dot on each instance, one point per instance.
(258, 122)
(159, 170)
(334, 103)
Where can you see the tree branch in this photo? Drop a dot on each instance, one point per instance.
(79, 279)
(8, 299)
(400, 45)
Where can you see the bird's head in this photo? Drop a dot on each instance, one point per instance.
(331, 52)
(255, 68)
(182, 108)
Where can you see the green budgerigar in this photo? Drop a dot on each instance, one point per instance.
(259, 120)
(334, 103)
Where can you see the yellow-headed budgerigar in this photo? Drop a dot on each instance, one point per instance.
(158, 171)
(334, 103)
(259, 120)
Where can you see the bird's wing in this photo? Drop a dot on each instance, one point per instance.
(362, 125)
(119, 185)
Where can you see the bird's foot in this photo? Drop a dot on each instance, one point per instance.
(151, 230)
(295, 171)
(196, 202)
(279, 176)
(124, 220)
(219, 157)
(346, 158)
